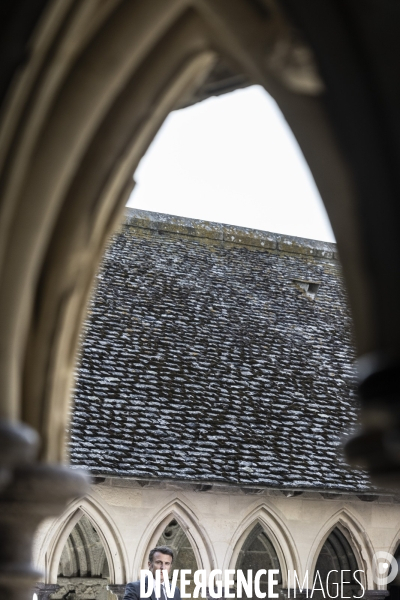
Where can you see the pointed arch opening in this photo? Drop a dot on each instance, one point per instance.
(188, 522)
(83, 540)
(258, 552)
(279, 535)
(335, 558)
(184, 557)
(83, 567)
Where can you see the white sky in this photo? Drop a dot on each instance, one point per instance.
(232, 159)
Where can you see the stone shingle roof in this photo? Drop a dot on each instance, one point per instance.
(206, 359)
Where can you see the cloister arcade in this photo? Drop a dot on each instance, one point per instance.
(209, 530)
(85, 86)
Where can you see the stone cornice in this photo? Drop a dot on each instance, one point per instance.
(263, 240)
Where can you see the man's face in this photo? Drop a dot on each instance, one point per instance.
(160, 562)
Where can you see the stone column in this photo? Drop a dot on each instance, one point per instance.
(45, 590)
(29, 492)
(117, 589)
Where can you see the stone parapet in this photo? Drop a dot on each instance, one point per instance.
(263, 240)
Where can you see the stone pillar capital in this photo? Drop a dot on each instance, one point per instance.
(29, 492)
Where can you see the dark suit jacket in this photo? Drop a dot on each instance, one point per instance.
(132, 592)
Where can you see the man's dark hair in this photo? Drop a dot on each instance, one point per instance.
(163, 550)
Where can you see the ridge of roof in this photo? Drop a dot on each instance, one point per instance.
(264, 240)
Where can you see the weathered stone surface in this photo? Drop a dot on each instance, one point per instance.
(82, 588)
(204, 361)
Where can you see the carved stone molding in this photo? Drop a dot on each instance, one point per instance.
(117, 589)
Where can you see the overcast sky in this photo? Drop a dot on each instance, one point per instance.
(232, 159)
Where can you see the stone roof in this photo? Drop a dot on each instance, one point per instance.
(215, 353)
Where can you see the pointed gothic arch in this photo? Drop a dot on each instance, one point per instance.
(176, 538)
(347, 529)
(84, 554)
(94, 136)
(258, 552)
(83, 107)
(337, 566)
(194, 531)
(58, 535)
(273, 526)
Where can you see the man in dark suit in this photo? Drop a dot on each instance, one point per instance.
(160, 558)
